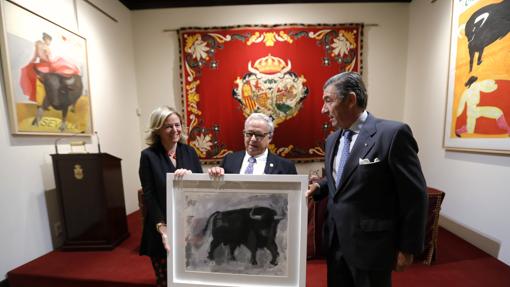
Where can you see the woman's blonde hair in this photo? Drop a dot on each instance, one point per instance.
(157, 118)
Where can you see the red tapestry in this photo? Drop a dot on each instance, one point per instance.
(229, 72)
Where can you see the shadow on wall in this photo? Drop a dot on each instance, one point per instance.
(475, 237)
(498, 159)
(55, 218)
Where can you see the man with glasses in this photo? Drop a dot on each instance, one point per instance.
(256, 159)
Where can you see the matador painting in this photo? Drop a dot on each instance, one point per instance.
(478, 115)
(46, 76)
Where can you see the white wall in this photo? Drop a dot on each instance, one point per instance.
(27, 199)
(476, 185)
(384, 58)
(405, 66)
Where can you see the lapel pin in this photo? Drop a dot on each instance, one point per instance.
(366, 144)
(271, 164)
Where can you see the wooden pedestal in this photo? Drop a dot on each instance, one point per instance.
(91, 194)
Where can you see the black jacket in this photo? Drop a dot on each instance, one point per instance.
(154, 165)
(379, 208)
(274, 165)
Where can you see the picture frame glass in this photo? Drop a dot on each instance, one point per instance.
(241, 230)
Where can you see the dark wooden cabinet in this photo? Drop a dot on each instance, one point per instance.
(91, 194)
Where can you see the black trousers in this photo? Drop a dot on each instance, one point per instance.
(159, 265)
(343, 274)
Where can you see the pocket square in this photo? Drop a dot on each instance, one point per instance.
(365, 161)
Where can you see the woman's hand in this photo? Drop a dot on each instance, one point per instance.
(164, 237)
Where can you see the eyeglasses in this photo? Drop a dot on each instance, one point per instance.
(258, 136)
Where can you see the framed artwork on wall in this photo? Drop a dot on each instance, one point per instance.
(227, 73)
(241, 230)
(45, 75)
(478, 101)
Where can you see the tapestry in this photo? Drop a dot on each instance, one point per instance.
(227, 73)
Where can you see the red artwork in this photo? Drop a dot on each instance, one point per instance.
(228, 73)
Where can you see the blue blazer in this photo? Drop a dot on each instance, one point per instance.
(232, 163)
(379, 208)
(154, 165)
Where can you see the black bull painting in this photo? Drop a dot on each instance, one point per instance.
(62, 92)
(255, 228)
(485, 26)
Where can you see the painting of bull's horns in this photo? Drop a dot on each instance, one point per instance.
(46, 75)
(240, 230)
(238, 236)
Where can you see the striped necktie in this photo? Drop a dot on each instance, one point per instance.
(344, 156)
(249, 168)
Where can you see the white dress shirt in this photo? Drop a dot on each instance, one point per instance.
(259, 166)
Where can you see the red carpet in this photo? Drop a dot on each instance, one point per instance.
(458, 264)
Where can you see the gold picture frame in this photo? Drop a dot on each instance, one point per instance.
(45, 75)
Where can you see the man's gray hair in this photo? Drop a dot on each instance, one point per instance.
(261, 117)
(346, 83)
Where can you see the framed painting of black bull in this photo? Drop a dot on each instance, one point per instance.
(240, 230)
(45, 75)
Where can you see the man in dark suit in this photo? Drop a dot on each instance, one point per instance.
(377, 201)
(256, 159)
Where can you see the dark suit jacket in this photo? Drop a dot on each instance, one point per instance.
(154, 165)
(274, 165)
(379, 208)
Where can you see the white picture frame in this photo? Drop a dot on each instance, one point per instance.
(197, 205)
(477, 116)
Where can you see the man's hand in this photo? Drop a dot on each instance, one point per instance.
(179, 173)
(216, 171)
(312, 188)
(403, 261)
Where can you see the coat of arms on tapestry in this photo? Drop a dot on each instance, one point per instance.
(228, 73)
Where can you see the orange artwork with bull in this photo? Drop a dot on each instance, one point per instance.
(481, 105)
(478, 107)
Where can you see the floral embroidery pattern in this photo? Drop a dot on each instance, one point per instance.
(268, 83)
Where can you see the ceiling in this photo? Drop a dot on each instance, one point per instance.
(156, 4)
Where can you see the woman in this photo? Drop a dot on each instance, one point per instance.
(166, 153)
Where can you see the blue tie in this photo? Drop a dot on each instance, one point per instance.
(249, 168)
(344, 156)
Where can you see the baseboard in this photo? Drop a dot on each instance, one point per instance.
(475, 237)
(4, 283)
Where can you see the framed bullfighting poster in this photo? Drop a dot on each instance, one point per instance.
(240, 230)
(478, 105)
(45, 75)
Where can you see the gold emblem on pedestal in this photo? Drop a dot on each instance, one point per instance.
(78, 172)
